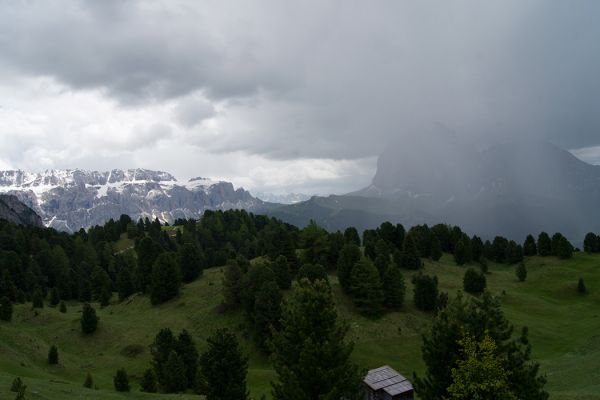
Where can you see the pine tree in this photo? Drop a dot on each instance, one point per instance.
(461, 252)
(267, 311)
(476, 248)
(16, 385)
(105, 296)
(125, 285)
(425, 293)
(366, 288)
(121, 381)
(37, 299)
(148, 382)
(89, 381)
(62, 307)
(514, 253)
(521, 272)
(436, 249)
(529, 247)
(6, 309)
(185, 347)
(310, 353)
(544, 245)
(348, 257)
(394, 287)
(351, 236)
(161, 347)
(223, 368)
(581, 286)
(166, 279)
(590, 243)
(410, 258)
(232, 284)
(147, 253)
(174, 374)
(53, 355)
(54, 297)
(282, 272)
(474, 282)
(564, 249)
(89, 320)
(191, 261)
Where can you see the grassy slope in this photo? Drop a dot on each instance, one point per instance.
(563, 327)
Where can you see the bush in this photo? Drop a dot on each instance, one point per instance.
(521, 272)
(63, 307)
(89, 320)
(17, 384)
(425, 292)
(474, 282)
(53, 355)
(89, 381)
(581, 286)
(148, 383)
(121, 381)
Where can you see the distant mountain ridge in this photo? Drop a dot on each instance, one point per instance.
(72, 199)
(510, 189)
(12, 210)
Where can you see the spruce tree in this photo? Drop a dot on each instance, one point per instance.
(436, 248)
(89, 320)
(348, 257)
(147, 253)
(514, 253)
(105, 296)
(223, 368)
(311, 355)
(351, 236)
(37, 299)
(564, 249)
(121, 381)
(125, 285)
(544, 245)
(366, 288)
(16, 385)
(89, 381)
(556, 239)
(186, 348)
(267, 311)
(521, 272)
(166, 279)
(148, 382)
(476, 248)
(461, 252)
(312, 272)
(425, 293)
(581, 286)
(474, 282)
(6, 309)
(282, 272)
(191, 261)
(54, 297)
(174, 374)
(161, 347)
(410, 258)
(529, 247)
(232, 285)
(590, 243)
(394, 287)
(53, 355)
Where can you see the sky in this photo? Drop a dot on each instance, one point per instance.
(288, 96)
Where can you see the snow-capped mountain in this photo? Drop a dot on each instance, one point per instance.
(287, 198)
(72, 199)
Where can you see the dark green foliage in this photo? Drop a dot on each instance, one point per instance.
(89, 381)
(174, 374)
(366, 288)
(267, 311)
(529, 247)
(499, 247)
(16, 385)
(62, 307)
(282, 272)
(556, 239)
(54, 297)
(37, 300)
(476, 317)
(476, 248)
(105, 297)
(166, 279)
(6, 309)
(514, 253)
(483, 265)
(591, 243)
(544, 245)
(581, 286)
(223, 368)
(312, 272)
(436, 249)
(121, 381)
(521, 272)
(462, 251)
(474, 282)
(425, 291)
(89, 320)
(409, 257)
(53, 355)
(186, 349)
(349, 256)
(21, 393)
(310, 353)
(148, 382)
(257, 275)
(125, 285)
(564, 249)
(351, 236)
(161, 347)
(191, 261)
(101, 284)
(147, 252)
(394, 287)
(232, 285)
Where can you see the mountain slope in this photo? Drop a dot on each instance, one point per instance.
(73, 199)
(12, 210)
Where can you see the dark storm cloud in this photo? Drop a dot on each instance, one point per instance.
(327, 79)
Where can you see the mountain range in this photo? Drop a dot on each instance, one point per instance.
(68, 200)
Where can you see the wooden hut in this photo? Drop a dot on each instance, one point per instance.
(387, 384)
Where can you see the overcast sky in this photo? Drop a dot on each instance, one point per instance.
(286, 96)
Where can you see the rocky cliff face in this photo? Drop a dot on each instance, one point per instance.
(72, 199)
(11, 209)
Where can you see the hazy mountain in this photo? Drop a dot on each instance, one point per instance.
(73, 199)
(509, 189)
(11, 209)
(286, 198)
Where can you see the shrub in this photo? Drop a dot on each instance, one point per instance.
(89, 381)
(89, 320)
(474, 282)
(121, 381)
(425, 292)
(581, 286)
(521, 272)
(148, 383)
(53, 355)
(17, 384)
(63, 307)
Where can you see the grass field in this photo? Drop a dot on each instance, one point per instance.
(564, 329)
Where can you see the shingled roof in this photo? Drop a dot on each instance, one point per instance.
(388, 380)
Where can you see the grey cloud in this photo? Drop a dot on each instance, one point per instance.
(191, 111)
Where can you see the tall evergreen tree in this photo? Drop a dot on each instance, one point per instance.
(474, 282)
(514, 253)
(425, 293)
(349, 256)
(148, 382)
(174, 374)
(282, 272)
(544, 245)
(166, 279)
(310, 353)
(564, 249)
(147, 252)
(436, 248)
(6, 309)
(232, 285)
(89, 320)
(121, 381)
(590, 243)
(267, 311)
(161, 347)
(476, 248)
(521, 272)
(555, 242)
(351, 236)
(461, 252)
(410, 258)
(185, 347)
(529, 247)
(125, 285)
(223, 368)
(366, 287)
(394, 287)
(53, 355)
(191, 261)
